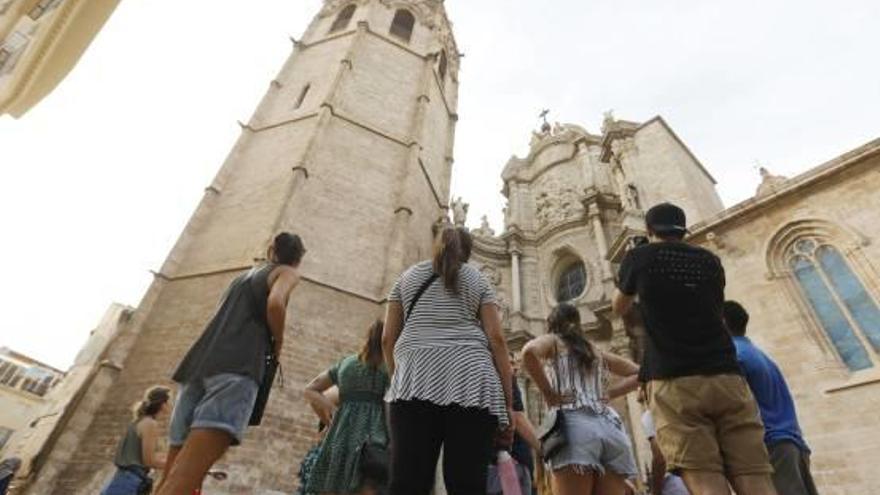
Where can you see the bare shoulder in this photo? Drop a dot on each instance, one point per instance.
(147, 424)
(285, 273)
(543, 345)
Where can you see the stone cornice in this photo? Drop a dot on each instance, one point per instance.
(243, 267)
(618, 248)
(625, 132)
(516, 167)
(853, 158)
(493, 247)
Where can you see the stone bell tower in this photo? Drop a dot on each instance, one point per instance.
(351, 147)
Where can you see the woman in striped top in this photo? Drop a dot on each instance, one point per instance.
(450, 383)
(572, 375)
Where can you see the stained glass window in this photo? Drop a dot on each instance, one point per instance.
(842, 305)
(572, 282)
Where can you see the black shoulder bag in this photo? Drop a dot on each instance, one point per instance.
(374, 460)
(551, 431)
(271, 365)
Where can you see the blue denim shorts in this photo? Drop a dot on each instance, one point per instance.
(124, 482)
(595, 443)
(220, 402)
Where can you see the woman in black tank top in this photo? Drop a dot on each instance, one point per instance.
(136, 453)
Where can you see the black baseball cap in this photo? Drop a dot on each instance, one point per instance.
(666, 218)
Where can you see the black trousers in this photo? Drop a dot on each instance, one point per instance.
(418, 430)
(791, 468)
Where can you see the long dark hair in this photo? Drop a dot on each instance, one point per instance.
(451, 250)
(565, 322)
(371, 352)
(152, 403)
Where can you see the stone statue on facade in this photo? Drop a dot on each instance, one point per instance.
(770, 182)
(459, 212)
(608, 121)
(632, 197)
(485, 229)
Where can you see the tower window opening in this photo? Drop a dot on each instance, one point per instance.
(5, 55)
(302, 96)
(442, 66)
(343, 18)
(402, 26)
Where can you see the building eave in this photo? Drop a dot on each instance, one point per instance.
(690, 153)
(67, 35)
(798, 183)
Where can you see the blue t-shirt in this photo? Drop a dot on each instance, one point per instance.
(771, 392)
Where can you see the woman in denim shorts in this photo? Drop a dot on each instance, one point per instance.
(572, 375)
(136, 453)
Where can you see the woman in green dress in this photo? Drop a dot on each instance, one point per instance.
(362, 380)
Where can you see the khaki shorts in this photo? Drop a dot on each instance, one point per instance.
(709, 423)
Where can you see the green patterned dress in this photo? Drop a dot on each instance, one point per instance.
(361, 414)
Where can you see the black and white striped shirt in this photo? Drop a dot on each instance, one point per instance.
(443, 355)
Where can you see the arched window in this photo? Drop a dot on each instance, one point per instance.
(302, 96)
(840, 302)
(343, 18)
(403, 24)
(572, 282)
(441, 67)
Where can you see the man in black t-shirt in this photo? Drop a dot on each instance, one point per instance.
(708, 426)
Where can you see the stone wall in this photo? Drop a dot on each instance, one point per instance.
(836, 408)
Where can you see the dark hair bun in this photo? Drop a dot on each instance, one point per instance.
(289, 248)
(154, 399)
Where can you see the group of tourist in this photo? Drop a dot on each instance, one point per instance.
(436, 378)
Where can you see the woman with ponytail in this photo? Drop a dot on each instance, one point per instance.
(136, 453)
(594, 454)
(451, 375)
(359, 419)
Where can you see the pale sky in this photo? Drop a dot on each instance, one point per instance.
(99, 179)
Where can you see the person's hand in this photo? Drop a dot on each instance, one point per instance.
(504, 438)
(555, 399)
(326, 413)
(276, 350)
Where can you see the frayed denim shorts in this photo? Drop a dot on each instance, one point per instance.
(220, 402)
(596, 443)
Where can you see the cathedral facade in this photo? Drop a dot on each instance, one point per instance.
(351, 147)
(801, 256)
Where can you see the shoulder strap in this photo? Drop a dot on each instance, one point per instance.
(422, 289)
(260, 314)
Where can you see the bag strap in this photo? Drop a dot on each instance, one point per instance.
(262, 319)
(372, 387)
(422, 289)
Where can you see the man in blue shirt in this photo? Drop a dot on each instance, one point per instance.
(789, 453)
